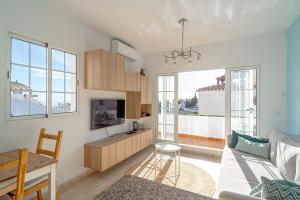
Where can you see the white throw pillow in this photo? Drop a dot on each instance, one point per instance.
(276, 135)
(297, 177)
(287, 151)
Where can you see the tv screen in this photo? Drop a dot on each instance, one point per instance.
(107, 112)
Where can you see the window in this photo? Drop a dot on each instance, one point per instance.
(28, 78)
(64, 82)
(39, 85)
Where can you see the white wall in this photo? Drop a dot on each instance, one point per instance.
(202, 126)
(31, 18)
(211, 102)
(270, 52)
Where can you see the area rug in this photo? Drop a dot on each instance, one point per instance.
(191, 178)
(135, 188)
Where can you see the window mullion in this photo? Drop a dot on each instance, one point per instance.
(29, 72)
(64, 82)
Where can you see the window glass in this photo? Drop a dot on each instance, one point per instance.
(64, 82)
(28, 78)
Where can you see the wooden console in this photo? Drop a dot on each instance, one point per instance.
(105, 153)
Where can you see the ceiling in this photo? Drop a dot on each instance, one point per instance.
(151, 25)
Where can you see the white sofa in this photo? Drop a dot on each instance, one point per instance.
(241, 172)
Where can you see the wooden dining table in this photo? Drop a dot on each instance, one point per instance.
(37, 166)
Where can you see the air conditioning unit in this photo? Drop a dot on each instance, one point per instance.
(123, 49)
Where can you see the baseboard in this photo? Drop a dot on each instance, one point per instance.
(74, 179)
(216, 153)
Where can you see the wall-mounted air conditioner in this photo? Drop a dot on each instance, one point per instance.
(120, 47)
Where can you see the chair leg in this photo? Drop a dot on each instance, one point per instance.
(39, 195)
(57, 196)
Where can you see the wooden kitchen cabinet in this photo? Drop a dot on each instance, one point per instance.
(133, 105)
(146, 139)
(102, 154)
(112, 154)
(146, 90)
(133, 82)
(104, 71)
(132, 145)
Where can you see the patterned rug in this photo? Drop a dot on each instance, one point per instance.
(135, 188)
(191, 178)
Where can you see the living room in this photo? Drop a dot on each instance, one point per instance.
(86, 75)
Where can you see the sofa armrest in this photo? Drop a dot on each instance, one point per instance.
(225, 195)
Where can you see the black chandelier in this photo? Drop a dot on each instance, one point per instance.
(188, 54)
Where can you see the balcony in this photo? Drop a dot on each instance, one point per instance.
(199, 130)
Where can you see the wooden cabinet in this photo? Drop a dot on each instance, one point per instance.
(105, 153)
(146, 90)
(111, 155)
(117, 73)
(146, 139)
(133, 105)
(131, 145)
(96, 69)
(133, 82)
(104, 71)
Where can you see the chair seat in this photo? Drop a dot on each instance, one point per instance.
(32, 183)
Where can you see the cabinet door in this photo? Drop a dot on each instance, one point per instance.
(112, 154)
(105, 69)
(133, 105)
(120, 73)
(143, 89)
(131, 145)
(133, 82)
(116, 73)
(146, 139)
(149, 90)
(93, 69)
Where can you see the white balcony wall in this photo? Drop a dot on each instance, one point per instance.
(206, 126)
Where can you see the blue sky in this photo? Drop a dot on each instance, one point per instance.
(189, 82)
(38, 73)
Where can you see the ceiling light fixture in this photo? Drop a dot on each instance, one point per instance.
(188, 54)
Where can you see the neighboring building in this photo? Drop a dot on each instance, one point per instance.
(211, 99)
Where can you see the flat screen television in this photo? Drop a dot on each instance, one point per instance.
(107, 112)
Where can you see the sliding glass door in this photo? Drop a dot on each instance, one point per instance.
(243, 104)
(167, 107)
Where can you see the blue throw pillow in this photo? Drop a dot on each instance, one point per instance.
(279, 189)
(236, 135)
(254, 148)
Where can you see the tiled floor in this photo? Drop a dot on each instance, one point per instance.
(201, 141)
(88, 187)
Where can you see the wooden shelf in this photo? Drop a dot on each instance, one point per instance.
(146, 109)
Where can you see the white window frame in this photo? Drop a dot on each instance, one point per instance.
(48, 114)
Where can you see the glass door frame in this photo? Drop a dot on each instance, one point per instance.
(228, 98)
(175, 74)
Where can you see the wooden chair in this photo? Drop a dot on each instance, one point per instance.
(40, 184)
(21, 164)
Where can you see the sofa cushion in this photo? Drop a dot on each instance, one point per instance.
(287, 151)
(297, 176)
(235, 138)
(279, 189)
(255, 148)
(241, 172)
(275, 136)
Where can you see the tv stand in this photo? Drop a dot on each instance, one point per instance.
(105, 153)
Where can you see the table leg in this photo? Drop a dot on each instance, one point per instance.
(179, 160)
(160, 164)
(175, 159)
(52, 183)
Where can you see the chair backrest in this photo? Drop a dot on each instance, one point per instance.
(43, 135)
(21, 165)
